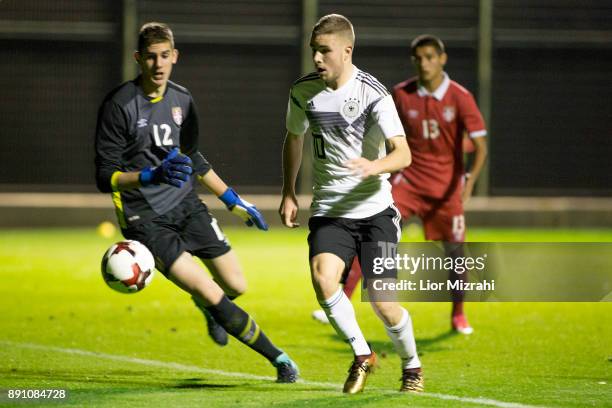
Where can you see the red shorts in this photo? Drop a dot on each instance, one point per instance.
(443, 220)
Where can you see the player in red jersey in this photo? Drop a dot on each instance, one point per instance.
(436, 113)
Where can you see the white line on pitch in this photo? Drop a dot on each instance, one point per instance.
(185, 367)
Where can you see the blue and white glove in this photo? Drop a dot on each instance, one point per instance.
(174, 170)
(245, 210)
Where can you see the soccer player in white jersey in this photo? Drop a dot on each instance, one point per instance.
(351, 117)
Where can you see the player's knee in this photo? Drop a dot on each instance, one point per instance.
(324, 278)
(321, 282)
(202, 288)
(237, 288)
(234, 283)
(207, 292)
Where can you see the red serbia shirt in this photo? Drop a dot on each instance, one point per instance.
(435, 124)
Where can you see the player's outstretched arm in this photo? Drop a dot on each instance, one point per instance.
(292, 158)
(480, 156)
(399, 158)
(236, 204)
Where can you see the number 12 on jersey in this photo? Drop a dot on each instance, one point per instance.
(165, 140)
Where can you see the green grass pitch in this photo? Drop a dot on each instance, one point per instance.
(61, 327)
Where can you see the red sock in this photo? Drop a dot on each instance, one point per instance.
(457, 307)
(353, 278)
(457, 295)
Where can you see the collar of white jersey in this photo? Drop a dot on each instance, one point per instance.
(438, 93)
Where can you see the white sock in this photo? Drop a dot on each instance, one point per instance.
(341, 315)
(402, 337)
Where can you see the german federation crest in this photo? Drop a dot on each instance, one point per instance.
(350, 109)
(177, 115)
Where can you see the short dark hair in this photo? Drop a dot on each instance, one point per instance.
(154, 33)
(334, 24)
(425, 40)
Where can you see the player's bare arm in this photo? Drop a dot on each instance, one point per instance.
(213, 182)
(398, 158)
(292, 158)
(480, 156)
(234, 203)
(126, 181)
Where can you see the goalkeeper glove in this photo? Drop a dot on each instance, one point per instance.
(174, 170)
(245, 210)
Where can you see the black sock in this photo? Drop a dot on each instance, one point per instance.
(239, 324)
(200, 304)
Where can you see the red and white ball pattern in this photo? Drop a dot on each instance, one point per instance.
(128, 267)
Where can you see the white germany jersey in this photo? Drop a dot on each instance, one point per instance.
(349, 122)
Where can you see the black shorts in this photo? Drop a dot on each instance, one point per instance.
(343, 237)
(187, 227)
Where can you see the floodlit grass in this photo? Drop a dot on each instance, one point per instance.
(61, 327)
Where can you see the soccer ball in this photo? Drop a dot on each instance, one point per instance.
(128, 267)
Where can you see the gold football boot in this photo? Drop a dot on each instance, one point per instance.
(412, 381)
(358, 373)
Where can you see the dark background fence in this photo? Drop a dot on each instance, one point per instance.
(550, 108)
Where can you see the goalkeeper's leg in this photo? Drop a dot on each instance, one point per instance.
(186, 273)
(227, 272)
(228, 275)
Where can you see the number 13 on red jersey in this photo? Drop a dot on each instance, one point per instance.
(431, 130)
